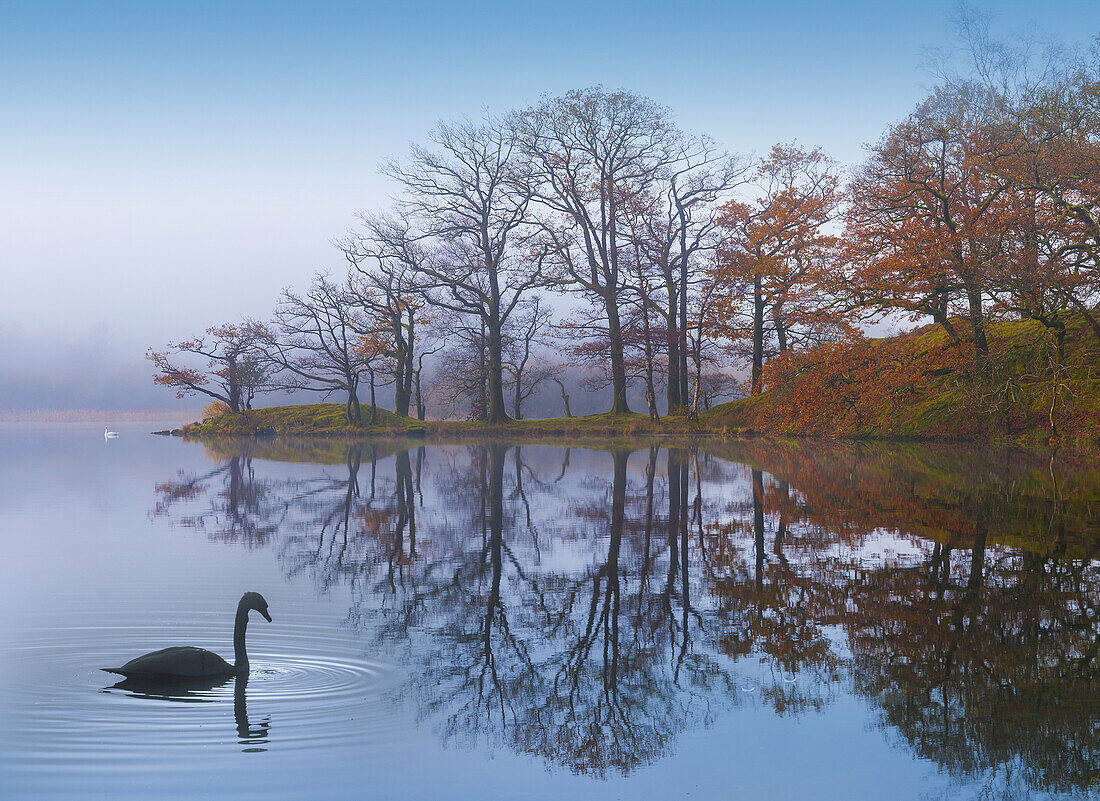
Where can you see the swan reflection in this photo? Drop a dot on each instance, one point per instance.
(201, 691)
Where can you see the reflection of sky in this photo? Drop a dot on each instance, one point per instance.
(153, 151)
(81, 549)
(883, 546)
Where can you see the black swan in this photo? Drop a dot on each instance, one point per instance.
(184, 663)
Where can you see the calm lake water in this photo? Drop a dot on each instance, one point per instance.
(520, 621)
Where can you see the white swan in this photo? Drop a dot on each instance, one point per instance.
(109, 434)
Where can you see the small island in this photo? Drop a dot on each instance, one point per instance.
(912, 386)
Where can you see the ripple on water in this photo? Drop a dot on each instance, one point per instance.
(309, 686)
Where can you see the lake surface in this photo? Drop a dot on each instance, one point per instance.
(505, 620)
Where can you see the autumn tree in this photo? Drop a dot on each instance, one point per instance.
(377, 356)
(777, 254)
(1051, 157)
(234, 372)
(1042, 275)
(925, 227)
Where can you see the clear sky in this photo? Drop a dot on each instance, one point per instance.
(165, 166)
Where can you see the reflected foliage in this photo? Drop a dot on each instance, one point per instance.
(588, 607)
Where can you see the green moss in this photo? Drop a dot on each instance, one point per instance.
(313, 419)
(328, 420)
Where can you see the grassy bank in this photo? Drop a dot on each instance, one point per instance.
(328, 420)
(926, 385)
(305, 420)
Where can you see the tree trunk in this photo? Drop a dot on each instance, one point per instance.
(419, 397)
(354, 412)
(757, 335)
(479, 404)
(672, 343)
(564, 397)
(400, 397)
(682, 333)
(780, 328)
(517, 400)
(619, 403)
(407, 377)
(647, 339)
(234, 384)
(977, 319)
(373, 404)
(698, 381)
(497, 412)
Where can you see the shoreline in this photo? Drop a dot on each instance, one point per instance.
(327, 422)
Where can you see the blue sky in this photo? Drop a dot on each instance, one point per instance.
(167, 166)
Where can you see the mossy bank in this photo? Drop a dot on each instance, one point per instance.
(924, 384)
(329, 420)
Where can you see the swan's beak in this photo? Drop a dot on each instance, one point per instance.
(263, 612)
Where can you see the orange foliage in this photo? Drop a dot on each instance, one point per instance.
(851, 387)
(213, 409)
(775, 258)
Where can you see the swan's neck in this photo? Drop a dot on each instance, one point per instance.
(240, 657)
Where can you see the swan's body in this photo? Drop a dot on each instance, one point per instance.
(183, 663)
(109, 434)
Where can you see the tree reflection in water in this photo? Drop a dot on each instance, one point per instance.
(587, 607)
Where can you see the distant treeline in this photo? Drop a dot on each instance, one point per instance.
(688, 263)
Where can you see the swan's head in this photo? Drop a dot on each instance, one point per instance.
(253, 600)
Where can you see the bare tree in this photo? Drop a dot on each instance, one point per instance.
(652, 321)
(591, 152)
(418, 380)
(564, 395)
(467, 192)
(316, 342)
(520, 341)
(385, 256)
(701, 347)
(696, 180)
(461, 372)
